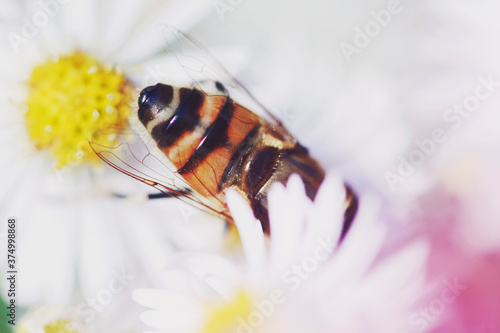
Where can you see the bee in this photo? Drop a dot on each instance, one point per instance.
(210, 134)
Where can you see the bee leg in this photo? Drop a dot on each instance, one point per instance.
(161, 195)
(350, 211)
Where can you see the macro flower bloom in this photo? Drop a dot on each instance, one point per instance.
(52, 319)
(300, 279)
(64, 77)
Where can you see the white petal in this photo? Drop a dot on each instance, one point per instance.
(327, 216)
(48, 268)
(115, 22)
(97, 257)
(360, 247)
(384, 297)
(216, 272)
(171, 322)
(169, 301)
(400, 274)
(79, 23)
(144, 40)
(10, 11)
(143, 239)
(251, 234)
(288, 209)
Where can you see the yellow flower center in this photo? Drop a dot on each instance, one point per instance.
(225, 318)
(70, 99)
(59, 326)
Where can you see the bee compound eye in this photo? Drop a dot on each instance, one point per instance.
(145, 94)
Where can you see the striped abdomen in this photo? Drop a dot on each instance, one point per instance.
(215, 143)
(201, 135)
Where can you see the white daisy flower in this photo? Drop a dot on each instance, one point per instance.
(52, 319)
(63, 76)
(298, 280)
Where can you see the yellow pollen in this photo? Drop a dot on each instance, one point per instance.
(232, 239)
(70, 99)
(59, 326)
(225, 318)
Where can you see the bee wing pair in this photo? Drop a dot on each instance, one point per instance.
(141, 160)
(206, 134)
(201, 69)
(134, 158)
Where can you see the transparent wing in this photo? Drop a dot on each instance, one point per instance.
(137, 156)
(134, 158)
(198, 67)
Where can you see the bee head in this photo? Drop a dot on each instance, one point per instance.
(154, 102)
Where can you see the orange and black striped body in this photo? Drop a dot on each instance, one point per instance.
(215, 144)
